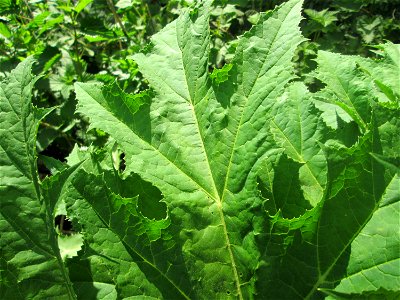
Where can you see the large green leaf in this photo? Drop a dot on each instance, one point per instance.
(122, 222)
(346, 86)
(233, 187)
(190, 140)
(311, 252)
(297, 127)
(374, 263)
(31, 265)
(386, 71)
(123, 241)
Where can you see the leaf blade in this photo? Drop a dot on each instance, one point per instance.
(29, 251)
(190, 138)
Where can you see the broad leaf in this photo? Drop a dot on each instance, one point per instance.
(238, 183)
(31, 265)
(296, 126)
(346, 86)
(116, 228)
(191, 138)
(386, 71)
(374, 263)
(311, 252)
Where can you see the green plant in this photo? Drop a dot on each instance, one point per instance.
(240, 184)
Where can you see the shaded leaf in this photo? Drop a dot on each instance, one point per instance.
(31, 263)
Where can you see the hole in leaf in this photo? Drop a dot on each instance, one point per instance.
(228, 292)
(122, 164)
(63, 224)
(43, 171)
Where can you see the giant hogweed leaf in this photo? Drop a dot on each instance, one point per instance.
(30, 260)
(191, 138)
(356, 190)
(121, 253)
(346, 86)
(385, 71)
(119, 247)
(374, 263)
(107, 267)
(311, 252)
(296, 127)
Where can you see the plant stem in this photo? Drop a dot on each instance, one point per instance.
(150, 19)
(117, 19)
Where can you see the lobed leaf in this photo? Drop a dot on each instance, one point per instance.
(374, 262)
(385, 71)
(297, 128)
(118, 255)
(190, 139)
(346, 86)
(236, 184)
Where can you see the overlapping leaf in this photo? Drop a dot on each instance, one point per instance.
(374, 262)
(313, 252)
(386, 71)
(119, 257)
(346, 86)
(317, 244)
(233, 187)
(31, 265)
(297, 128)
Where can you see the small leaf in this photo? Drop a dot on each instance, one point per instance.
(81, 4)
(323, 17)
(4, 31)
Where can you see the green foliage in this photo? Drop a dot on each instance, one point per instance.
(87, 40)
(236, 183)
(30, 255)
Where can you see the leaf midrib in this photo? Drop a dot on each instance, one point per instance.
(322, 277)
(199, 132)
(94, 102)
(217, 199)
(247, 97)
(144, 142)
